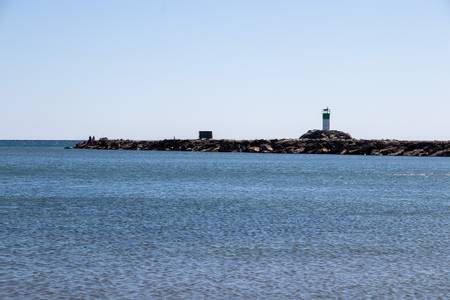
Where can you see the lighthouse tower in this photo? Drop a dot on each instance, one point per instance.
(326, 119)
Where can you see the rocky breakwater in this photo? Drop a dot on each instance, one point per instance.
(312, 142)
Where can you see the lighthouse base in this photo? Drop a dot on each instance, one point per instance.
(317, 134)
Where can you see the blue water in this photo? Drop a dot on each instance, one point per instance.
(80, 224)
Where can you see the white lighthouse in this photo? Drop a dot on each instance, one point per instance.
(326, 119)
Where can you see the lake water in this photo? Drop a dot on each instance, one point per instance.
(146, 225)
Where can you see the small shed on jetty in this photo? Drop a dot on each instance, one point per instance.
(205, 135)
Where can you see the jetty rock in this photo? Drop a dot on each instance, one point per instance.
(312, 142)
(316, 134)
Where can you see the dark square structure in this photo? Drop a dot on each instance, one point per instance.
(205, 135)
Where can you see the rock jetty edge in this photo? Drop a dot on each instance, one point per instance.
(312, 142)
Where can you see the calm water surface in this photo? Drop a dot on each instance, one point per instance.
(146, 225)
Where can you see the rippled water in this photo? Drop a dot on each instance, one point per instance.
(118, 224)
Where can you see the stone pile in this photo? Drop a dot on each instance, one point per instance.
(312, 142)
(316, 134)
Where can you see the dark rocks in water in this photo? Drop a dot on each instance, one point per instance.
(313, 142)
(317, 134)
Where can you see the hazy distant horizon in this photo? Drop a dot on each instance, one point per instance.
(196, 137)
(244, 69)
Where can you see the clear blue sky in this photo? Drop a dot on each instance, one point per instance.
(245, 69)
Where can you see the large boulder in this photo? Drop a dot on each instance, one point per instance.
(317, 134)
